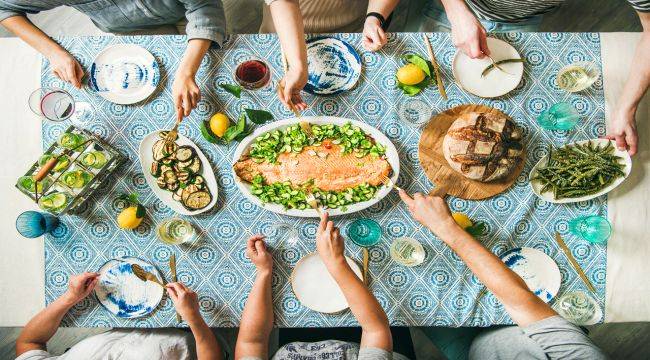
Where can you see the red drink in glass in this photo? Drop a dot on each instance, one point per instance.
(252, 74)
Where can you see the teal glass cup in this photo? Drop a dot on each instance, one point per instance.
(32, 224)
(595, 229)
(561, 116)
(364, 232)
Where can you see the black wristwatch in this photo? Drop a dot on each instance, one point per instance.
(383, 22)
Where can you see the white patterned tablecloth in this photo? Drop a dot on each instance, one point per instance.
(441, 291)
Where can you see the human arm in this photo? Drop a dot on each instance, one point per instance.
(374, 37)
(375, 330)
(257, 318)
(40, 329)
(622, 127)
(467, 33)
(187, 305)
(63, 64)
(185, 91)
(522, 305)
(287, 20)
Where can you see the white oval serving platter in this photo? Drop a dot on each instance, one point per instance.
(391, 155)
(124, 74)
(314, 286)
(548, 196)
(146, 159)
(467, 71)
(124, 294)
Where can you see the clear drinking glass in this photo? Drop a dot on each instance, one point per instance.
(407, 251)
(176, 231)
(32, 224)
(595, 229)
(281, 232)
(52, 103)
(578, 307)
(414, 112)
(561, 116)
(578, 76)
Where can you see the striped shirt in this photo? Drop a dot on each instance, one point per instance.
(518, 10)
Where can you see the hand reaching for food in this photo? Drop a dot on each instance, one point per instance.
(430, 211)
(329, 243)
(66, 68)
(467, 33)
(185, 301)
(290, 87)
(258, 253)
(80, 286)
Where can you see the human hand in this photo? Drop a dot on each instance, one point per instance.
(329, 243)
(468, 34)
(374, 37)
(186, 94)
(290, 86)
(79, 286)
(622, 129)
(66, 67)
(430, 211)
(185, 301)
(259, 255)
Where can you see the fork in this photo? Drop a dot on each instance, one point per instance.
(311, 200)
(173, 133)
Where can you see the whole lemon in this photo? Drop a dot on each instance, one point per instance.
(219, 123)
(410, 74)
(128, 218)
(462, 220)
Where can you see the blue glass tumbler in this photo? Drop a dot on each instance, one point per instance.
(364, 232)
(561, 116)
(595, 229)
(32, 224)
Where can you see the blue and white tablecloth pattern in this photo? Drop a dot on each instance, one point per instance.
(439, 292)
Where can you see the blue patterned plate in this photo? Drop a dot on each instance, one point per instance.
(538, 270)
(334, 66)
(124, 294)
(124, 74)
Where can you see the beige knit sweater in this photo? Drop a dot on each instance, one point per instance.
(323, 16)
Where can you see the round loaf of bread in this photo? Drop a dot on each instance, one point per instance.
(483, 146)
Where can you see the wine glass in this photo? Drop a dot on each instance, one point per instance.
(53, 104)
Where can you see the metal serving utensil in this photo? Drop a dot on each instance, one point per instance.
(144, 275)
(172, 268)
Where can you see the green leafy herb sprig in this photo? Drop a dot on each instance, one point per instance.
(132, 200)
(238, 131)
(478, 229)
(235, 90)
(423, 64)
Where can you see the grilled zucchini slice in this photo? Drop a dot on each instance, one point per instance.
(157, 150)
(177, 194)
(173, 186)
(155, 168)
(188, 191)
(169, 177)
(161, 183)
(183, 175)
(185, 153)
(197, 200)
(195, 167)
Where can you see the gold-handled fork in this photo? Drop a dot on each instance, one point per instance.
(173, 133)
(144, 275)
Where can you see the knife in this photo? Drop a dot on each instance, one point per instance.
(144, 275)
(436, 67)
(172, 267)
(574, 263)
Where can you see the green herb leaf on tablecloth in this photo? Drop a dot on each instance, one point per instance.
(207, 133)
(233, 131)
(258, 116)
(235, 90)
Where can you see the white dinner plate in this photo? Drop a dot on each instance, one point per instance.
(538, 270)
(314, 286)
(334, 66)
(391, 155)
(495, 83)
(124, 294)
(548, 195)
(146, 159)
(124, 74)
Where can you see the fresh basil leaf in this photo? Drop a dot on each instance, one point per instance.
(233, 131)
(409, 90)
(477, 229)
(140, 211)
(235, 90)
(420, 62)
(258, 116)
(207, 133)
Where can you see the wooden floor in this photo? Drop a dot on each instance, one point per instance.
(621, 341)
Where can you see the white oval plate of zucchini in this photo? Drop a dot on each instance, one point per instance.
(178, 173)
(592, 173)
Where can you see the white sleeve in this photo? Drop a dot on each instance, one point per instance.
(36, 355)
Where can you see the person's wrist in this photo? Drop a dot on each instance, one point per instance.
(445, 229)
(371, 20)
(194, 318)
(55, 51)
(264, 272)
(335, 263)
(68, 299)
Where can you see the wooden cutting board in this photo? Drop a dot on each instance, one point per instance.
(437, 168)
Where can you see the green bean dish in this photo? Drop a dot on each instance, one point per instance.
(579, 170)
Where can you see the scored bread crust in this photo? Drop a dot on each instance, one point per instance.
(483, 147)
